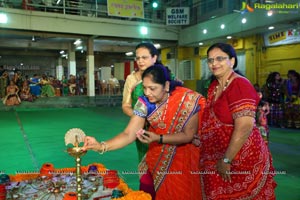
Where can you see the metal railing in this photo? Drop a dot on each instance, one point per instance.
(200, 11)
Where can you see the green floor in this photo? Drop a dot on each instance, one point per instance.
(32, 137)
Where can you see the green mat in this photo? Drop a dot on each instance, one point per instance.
(32, 137)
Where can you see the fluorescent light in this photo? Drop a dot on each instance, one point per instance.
(157, 46)
(77, 42)
(129, 53)
(3, 18)
(144, 30)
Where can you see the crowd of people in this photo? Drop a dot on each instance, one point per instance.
(196, 147)
(283, 99)
(190, 146)
(15, 88)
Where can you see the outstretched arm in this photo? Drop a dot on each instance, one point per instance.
(121, 140)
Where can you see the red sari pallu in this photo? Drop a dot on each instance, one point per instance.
(172, 166)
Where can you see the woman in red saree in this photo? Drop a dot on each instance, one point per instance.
(233, 153)
(171, 164)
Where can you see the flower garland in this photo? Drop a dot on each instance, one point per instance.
(129, 194)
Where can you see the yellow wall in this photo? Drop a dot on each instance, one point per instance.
(187, 53)
(260, 60)
(280, 59)
(163, 55)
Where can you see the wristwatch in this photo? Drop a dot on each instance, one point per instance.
(226, 160)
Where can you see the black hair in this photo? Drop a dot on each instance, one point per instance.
(152, 49)
(271, 77)
(229, 50)
(226, 48)
(160, 74)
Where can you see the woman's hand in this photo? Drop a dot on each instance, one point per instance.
(196, 140)
(224, 170)
(90, 143)
(147, 136)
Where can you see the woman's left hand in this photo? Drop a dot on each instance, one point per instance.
(224, 170)
(147, 136)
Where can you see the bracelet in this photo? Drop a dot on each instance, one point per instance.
(160, 139)
(103, 148)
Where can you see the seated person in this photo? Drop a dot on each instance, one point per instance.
(25, 94)
(57, 85)
(35, 87)
(65, 88)
(4, 82)
(114, 84)
(47, 88)
(12, 98)
(72, 85)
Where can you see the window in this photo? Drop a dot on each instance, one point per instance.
(186, 70)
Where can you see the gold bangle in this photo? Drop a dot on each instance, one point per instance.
(103, 148)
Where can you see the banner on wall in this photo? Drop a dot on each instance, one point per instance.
(178, 16)
(124, 8)
(289, 36)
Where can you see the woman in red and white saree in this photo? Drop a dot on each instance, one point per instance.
(235, 160)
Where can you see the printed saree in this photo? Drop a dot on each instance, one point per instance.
(174, 168)
(251, 170)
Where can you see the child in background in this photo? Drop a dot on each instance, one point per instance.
(263, 110)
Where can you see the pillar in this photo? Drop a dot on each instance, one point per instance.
(71, 62)
(90, 67)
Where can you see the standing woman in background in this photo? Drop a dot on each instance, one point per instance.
(232, 150)
(273, 92)
(146, 55)
(292, 104)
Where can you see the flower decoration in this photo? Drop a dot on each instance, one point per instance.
(129, 194)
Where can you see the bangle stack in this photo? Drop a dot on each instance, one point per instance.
(103, 148)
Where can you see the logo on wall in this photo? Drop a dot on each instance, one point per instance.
(281, 8)
(246, 8)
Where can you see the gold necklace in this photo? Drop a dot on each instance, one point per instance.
(225, 85)
(161, 123)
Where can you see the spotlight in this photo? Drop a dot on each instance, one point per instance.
(154, 4)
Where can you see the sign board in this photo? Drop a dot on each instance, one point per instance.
(126, 8)
(178, 16)
(289, 36)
